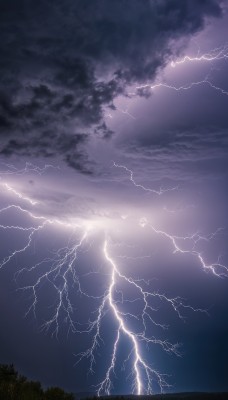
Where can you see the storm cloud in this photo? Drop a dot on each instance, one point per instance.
(63, 62)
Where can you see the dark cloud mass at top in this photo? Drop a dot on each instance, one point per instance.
(63, 61)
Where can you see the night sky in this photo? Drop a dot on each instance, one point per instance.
(113, 193)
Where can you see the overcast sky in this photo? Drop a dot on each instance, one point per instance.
(113, 124)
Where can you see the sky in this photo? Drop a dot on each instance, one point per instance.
(113, 194)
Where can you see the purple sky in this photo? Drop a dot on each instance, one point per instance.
(102, 135)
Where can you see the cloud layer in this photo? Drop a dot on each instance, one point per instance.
(62, 62)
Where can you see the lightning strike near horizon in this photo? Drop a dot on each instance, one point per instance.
(59, 271)
(139, 362)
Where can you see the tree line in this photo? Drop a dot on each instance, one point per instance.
(17, 387)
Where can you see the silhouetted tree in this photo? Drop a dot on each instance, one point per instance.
(18, 387)
(8, 380)
(55, 393)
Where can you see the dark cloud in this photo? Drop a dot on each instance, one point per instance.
(62, 62)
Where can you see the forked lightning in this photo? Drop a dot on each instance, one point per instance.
(61, 271)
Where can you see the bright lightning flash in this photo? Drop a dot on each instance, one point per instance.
(61, 271)
(217, 54)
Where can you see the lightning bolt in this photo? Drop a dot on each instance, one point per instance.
(144, 374)
(217, 54)
(203, 82)
(10, 169)
(20, 195)
(139, 362)
(63, 265)
(140, 186)
(216, 268)
(61, 274)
